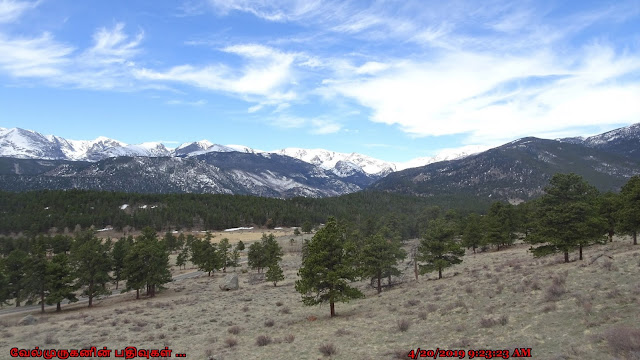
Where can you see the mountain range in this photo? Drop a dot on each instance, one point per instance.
(515, 171)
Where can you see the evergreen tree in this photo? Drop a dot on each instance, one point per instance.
(170, 241)
(147, 264)
(630, 212)
(181, 260)
(256, 256)
(35, 280)
(61, 281)
(380, 256)
(609, 205)
(306, 227)
(274, 274)
(500, 225)
(205, 256)
(92, 263)
(438, 248)
(240, 245)
(4, 283)
(473, 234)
(118, 254)
(328, 267)
(567, 217)
(224, 253)
(296, 232)
(272, 250)
(15, 265)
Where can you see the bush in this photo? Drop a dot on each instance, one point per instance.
(555, 292)
(231, 342)
(328, 349)
(487, 322)
(235, 330)
(289, 338)
(403, 325)
(269, 323)
(263, 340)
(623, 339)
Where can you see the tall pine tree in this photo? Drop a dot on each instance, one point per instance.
(327, 268)
(438, 249)
(92, 263)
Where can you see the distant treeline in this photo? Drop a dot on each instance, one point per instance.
(42, 211)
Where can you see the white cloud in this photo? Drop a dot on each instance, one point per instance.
(11, 10)
(323, 126)
(112, 46)
(33, 57)
(266, 76)
(200, 102)
(491, 97)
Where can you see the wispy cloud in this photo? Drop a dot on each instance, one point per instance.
(200, 102)
(266, 76)
(11, 10)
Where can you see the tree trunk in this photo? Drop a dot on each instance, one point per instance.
(439, 273)
(610, 235)
(90, 293)
(474, 248)
(42, 301)
(635, 237)
(58, 308)
(117, 284)
(333, 308)
(580, 251)
(379, 283)
(137, 294)
(566, 256)
(389, 278)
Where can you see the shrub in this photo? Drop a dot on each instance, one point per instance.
(554, 292)
(403, 325)
(413, 302)
(327, 349)
(263, 340)
(487, 322)
(285, 310)
(231, 342)
(269, 323)
(279, 303)
(235, 330)
(50, 339)
(549, 307)
(503, 320)
(289, 338)
(422, 315)
(623, 339)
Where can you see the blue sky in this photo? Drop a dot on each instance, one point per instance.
(394, 80)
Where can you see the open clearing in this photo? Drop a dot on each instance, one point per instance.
(493, 300)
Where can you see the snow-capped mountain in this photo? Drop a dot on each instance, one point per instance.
(623, 141)
(28, 144)
(328, 159)
(443, 155)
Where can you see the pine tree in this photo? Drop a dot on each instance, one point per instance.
(181, 259)
(630, 212)
(15, 265)
(118, 254)
(567, 217)
(147, 264)
(379, 257)
(328, 267)
(500, 225)
(35, 280)
(272, 250)
(473, 234)
(256, 256)
(92, 263)
(306, 227)
(224, 253)
(274, 274)
(609, 205)
(61, 281)
(4, 283)
(438, 249)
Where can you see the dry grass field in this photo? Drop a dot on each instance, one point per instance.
(586, 309)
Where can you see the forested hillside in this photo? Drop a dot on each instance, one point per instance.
(40, 211)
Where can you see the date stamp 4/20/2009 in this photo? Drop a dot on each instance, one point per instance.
(470, 353)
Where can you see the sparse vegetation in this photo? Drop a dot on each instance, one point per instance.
(328, 349)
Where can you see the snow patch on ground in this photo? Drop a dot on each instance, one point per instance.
(124, 206)
(239, 228)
